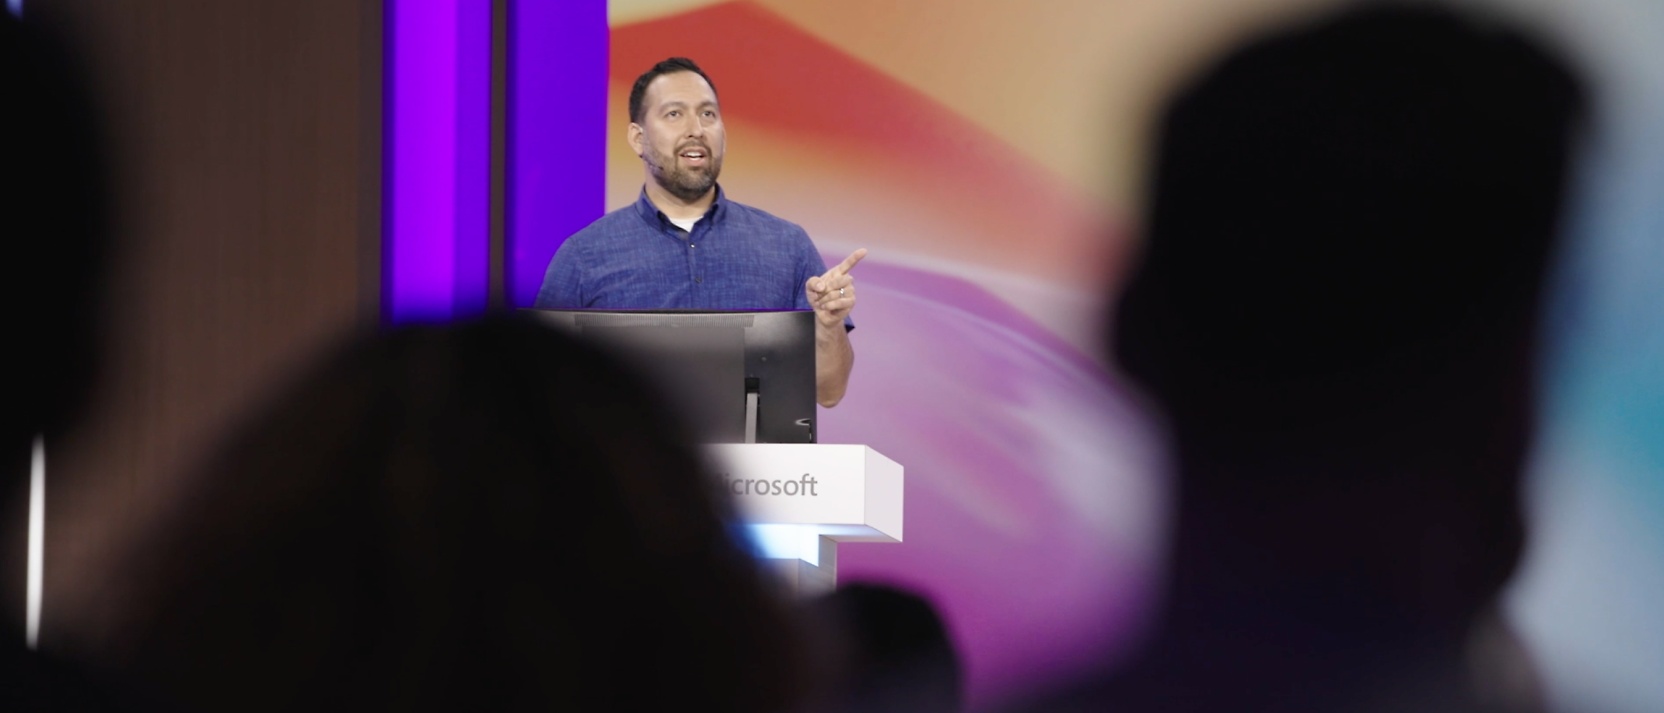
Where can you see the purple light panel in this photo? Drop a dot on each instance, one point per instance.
(557, 131)
(437, 172)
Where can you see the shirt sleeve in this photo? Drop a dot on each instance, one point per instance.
(563, 281)
(809, 264)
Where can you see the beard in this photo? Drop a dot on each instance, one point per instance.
(686, 184)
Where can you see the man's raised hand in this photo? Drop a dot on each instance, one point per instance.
(832, 294)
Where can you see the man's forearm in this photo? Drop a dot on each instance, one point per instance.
(834, 358)
(832, 295)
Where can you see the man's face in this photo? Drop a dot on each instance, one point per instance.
(680, 138)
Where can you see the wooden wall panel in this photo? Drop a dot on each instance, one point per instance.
(247, 138)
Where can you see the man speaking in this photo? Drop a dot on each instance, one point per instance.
(684, 245)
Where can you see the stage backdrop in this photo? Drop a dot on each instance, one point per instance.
(987, 152)
(1032, 492)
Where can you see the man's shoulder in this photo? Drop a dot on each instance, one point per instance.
(613, 223)
(761, 220)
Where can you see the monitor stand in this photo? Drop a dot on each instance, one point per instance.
(751, 389)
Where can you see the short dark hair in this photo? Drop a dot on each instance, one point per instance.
(669, 66)
(1356, 214)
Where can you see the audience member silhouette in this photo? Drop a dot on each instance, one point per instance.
(896, 652)
(486, 517)
(54, 200)
(1336, 311)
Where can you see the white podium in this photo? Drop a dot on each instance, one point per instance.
(801, 500)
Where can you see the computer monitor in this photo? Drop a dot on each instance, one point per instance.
(738, 377)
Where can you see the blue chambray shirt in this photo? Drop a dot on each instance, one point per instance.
(736, 258)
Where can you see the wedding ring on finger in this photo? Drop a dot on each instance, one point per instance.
(840, 291)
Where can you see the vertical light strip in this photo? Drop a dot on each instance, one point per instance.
(557, 132)
(37, 541)
(421, 121)
(437, 133)
(472, 267)
(37, 505)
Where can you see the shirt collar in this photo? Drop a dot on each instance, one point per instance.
(651, 213)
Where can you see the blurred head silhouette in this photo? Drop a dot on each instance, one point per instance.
(1336, 309)
(56, 207)
(479, 517)
(897, 652)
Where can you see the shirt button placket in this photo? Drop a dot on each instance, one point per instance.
(693, 263)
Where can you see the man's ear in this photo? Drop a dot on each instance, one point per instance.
(633, 135)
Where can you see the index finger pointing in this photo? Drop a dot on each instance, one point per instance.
(848, 264)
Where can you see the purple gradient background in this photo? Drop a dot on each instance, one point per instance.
(1034, 486)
